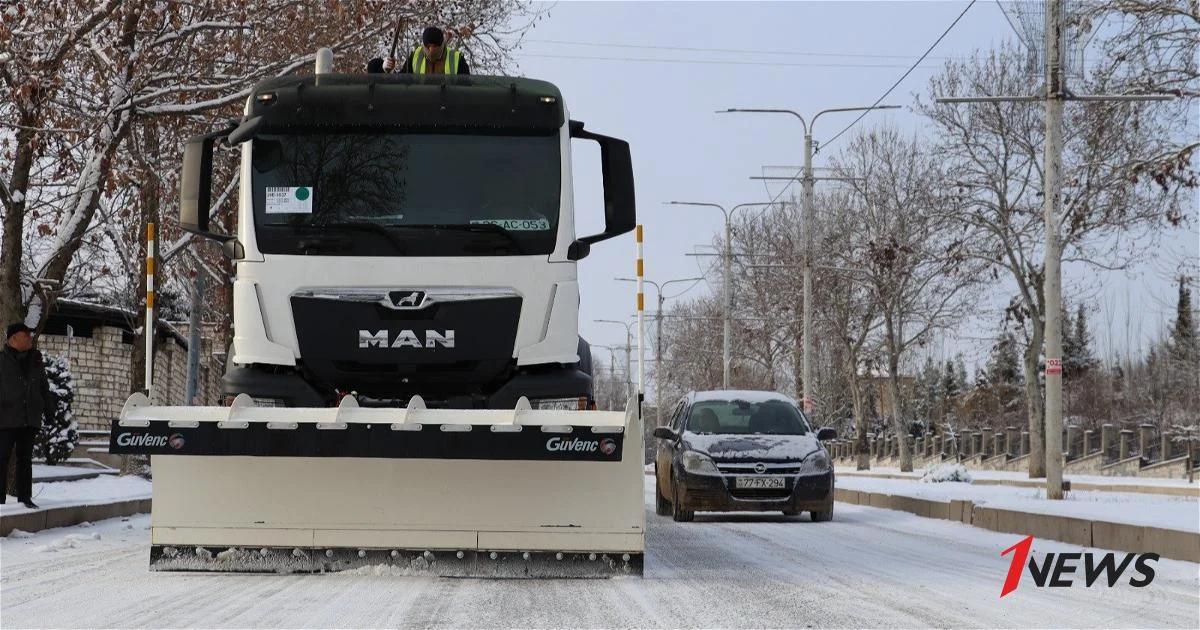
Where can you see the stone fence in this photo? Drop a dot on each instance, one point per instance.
(97, 342)
(1113, 452)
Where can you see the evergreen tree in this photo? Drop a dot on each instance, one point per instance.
(1066, 332)
(1004, 367)
(926, 392)
(58, 435)
(1183, 333)
(960, 373)
(950, 389)
(1077, 341)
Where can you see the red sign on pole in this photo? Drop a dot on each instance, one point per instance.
(807, 404)
(1053, 366)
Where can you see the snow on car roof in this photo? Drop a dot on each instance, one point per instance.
(748, 395)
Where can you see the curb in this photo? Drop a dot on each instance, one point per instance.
(1184, 491)
(68, 515)
(1167, 543)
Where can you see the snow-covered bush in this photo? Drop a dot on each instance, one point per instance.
(58, 435)
(946, 472)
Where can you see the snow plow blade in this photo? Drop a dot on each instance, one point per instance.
(467, 493)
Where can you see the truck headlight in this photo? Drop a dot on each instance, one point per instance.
(815, 464)
(699, 464)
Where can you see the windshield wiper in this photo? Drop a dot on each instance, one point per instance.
(363, 226)
(482, 228)
(318, 244)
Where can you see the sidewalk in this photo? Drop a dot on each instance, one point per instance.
(63, 503)
(1176, 487)
(1122, 521)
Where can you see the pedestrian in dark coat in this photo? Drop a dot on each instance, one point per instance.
(24, 400)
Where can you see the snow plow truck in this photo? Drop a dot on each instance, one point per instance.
(407, 381)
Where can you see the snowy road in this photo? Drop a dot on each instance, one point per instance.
(868, 567)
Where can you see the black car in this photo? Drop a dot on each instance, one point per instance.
(734, 451)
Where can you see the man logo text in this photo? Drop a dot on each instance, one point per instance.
(405, 339)
(1058, 570)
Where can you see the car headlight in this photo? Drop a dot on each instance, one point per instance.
(815, 464)
(699, 464)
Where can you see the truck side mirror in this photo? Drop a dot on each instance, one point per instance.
(579, 250)
(620, 210)
(195, 184)
(826, 433)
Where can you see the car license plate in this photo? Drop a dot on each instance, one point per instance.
(760, 482)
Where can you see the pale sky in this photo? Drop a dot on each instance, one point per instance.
(620, 66)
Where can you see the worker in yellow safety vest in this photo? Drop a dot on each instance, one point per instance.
(433, 56)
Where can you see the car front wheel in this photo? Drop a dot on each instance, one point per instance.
(678, 513)
(821, 516)
(662, 506)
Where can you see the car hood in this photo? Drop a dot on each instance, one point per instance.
(758, 448)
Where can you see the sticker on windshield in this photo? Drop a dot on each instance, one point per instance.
(518, 225)
(289, 200)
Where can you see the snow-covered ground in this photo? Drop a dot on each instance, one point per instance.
(42, 471)
(866, 568)
(848, 471)
(1159, 510)
(103, 489)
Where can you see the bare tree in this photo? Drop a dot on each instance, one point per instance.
(847, 311)
(993, 152)
(913, 260)
(78, 79)
(1147, 45)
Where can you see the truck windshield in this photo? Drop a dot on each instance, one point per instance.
(406, 194)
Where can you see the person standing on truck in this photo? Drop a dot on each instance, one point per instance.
(24, 399)
(433, 56)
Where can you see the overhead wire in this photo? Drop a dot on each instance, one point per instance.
(905, 75)
(721, 50)
(877, 101)
(718, 62)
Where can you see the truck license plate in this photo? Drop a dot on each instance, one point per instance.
(760, 482)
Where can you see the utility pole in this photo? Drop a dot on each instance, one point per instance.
(1054, 96)
(658, 316)
(804, 232)
(727, 260)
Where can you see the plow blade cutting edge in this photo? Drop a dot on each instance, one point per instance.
(484, 493)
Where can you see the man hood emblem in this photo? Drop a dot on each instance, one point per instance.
(407, 299)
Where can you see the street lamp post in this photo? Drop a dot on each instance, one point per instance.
(658, 400)
(728, 256)
(628, 349)
(612, 366)
(804, 231)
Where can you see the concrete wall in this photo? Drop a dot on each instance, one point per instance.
(1017, 464)
(1128, 467)
(996, 462)
(1172, 469)
(1089, 465)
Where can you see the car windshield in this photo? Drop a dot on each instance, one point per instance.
(770, 417)
(406, 194)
